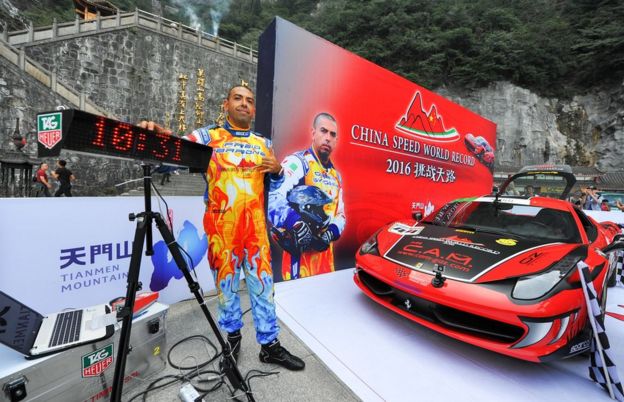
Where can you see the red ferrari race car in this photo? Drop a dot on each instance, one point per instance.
(481, 148)
(498, 272)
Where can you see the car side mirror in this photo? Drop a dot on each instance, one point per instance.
(418, 215)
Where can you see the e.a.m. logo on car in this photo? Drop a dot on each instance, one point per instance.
(94, 363)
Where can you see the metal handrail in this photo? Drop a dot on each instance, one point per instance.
(139, 18)
(47, 78)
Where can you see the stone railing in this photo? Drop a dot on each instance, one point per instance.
(137, 18)
(47, 78)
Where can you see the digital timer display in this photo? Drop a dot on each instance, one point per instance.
(85, 132)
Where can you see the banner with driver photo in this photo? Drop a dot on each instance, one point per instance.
(359, 146)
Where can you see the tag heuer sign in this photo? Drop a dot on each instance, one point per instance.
(49, 128)
(96, 362)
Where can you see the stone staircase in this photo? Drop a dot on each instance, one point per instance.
(182, 184)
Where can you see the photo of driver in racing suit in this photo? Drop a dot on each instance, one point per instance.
(306, 207)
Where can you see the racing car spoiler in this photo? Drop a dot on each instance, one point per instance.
(564, 171)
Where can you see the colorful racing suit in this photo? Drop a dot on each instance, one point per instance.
(305, 168)
(235, 224)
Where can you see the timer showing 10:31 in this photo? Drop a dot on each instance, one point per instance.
(125, 140)
(80, 131)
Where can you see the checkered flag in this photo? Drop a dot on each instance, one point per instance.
(619, 255)
(601, 369)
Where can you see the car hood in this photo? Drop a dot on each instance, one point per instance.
(467, 255)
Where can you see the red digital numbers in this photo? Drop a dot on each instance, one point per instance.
(177, 153)
(163, 152)
(122, 137)
(98, 141)
(117, 138)
(141, 143)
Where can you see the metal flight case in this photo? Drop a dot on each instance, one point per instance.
(85, 373)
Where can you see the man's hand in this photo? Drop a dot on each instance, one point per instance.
(322, 241)
(302, 235)
(270, 165)
(152, 126)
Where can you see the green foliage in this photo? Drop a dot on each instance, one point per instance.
(552, 47)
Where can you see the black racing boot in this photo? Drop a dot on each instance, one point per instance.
(274, 352)
(234, 339)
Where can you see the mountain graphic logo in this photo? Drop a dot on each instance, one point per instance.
(165, 267)
(427, 125)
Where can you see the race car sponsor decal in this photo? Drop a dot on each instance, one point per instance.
(466, 258)
(417, 277)
(532, 258)
(403, 229)
(507, 242)
(579, 346)
(464, 231)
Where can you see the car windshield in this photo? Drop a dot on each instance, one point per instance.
(531, 222)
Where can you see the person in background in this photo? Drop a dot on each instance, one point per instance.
(529, 191)
(592, 199)
(619, 205)
(604, 205)
(511, 189)
(43, 182)
(65, 178)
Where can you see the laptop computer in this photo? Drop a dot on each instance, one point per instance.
(34, 335)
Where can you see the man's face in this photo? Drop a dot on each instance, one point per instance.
(240, 107)
(44, 166)
(324, 137)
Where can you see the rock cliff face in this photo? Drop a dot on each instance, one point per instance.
(587, 130)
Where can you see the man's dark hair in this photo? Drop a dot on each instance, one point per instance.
(239, 86)
(62, 162)
(321, 115)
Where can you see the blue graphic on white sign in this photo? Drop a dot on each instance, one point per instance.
(165, 267)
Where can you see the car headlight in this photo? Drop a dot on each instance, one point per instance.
(370, 245)
(535, 286)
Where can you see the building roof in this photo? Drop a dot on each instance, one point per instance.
(612, 181)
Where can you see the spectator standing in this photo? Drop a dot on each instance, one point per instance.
(65, 177)
(592, 199)
(43, 183)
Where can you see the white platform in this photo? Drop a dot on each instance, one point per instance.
(382, 356)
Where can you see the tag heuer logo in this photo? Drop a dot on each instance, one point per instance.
(96, 362)
(49, 128)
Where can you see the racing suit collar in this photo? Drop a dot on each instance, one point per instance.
(234, 130)
(329, 164)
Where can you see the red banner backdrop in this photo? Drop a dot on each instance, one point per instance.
(399, 145)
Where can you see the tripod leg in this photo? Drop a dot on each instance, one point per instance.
(229, 364)
(143, 223)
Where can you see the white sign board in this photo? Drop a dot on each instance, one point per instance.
(57, 253)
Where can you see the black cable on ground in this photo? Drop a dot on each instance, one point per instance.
(197, 366)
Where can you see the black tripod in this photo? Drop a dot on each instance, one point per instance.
(143, 234)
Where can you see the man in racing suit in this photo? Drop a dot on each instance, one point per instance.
(235, 223)
(305, 204)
